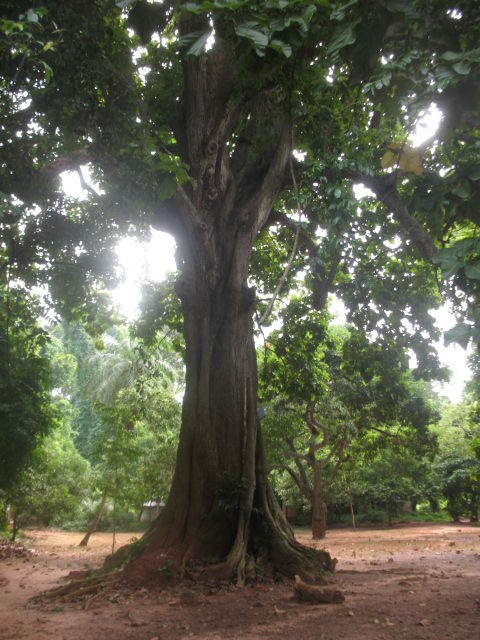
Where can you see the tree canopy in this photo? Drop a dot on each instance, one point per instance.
(242, 128)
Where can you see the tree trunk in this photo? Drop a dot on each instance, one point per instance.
(350, 501)
(95, 521)
(319, 520)
(319, 508)
(220, 507)
(15, 528)
(388, 508)
(237, 144)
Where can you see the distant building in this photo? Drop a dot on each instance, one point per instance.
(151, 510)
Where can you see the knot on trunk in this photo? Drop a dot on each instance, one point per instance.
(212, 147)
(210, 172)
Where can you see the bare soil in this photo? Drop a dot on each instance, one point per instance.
(410, 582)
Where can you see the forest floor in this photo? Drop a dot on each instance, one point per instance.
(410, 582)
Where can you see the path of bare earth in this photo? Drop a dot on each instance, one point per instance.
(410, 582)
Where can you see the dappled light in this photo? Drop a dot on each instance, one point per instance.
(239, 244)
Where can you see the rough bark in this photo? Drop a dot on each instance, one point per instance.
(319, 508)
(220, 507)
(319, 520)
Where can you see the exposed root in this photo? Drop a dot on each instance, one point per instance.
(85, 588)
(313, 593)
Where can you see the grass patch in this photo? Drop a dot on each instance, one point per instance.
(425, 515)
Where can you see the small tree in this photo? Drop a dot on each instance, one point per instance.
(460, 485)
(51, 489)
(344, 386)
(311, 450)
(26, 409)
(130, 389)
(391, 478)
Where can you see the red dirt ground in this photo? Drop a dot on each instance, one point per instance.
(411, 582)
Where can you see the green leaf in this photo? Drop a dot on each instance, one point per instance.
(192, 7)
(339, 14)
(232, 5)
(400, 6)
(249, 30)
(167, 188)
(449, 262)
(462, 190)
(463, 68)
(195, 41)
(198, 47)
(473, 271)
(32, 16)
(277, 4)
(474, 174)
(444, 73)
(344, 37)
(281, 47)
(308, 14)
(460, 333)
(48, 71)
(452, 55)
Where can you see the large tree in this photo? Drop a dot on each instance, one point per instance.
(188, 115)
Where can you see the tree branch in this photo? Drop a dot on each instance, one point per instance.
(304, 488)
(84, 184)
(297, 459)
(386, 191)
(292, 255)
(322, 282)
(261, 203)
(340, 444)
(315, 426)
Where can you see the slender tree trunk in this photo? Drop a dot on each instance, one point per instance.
(388, 507)
(115, 498)
(319, 520)
(15, 528)
(319, 508)
(350, 501)
(95, 521)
